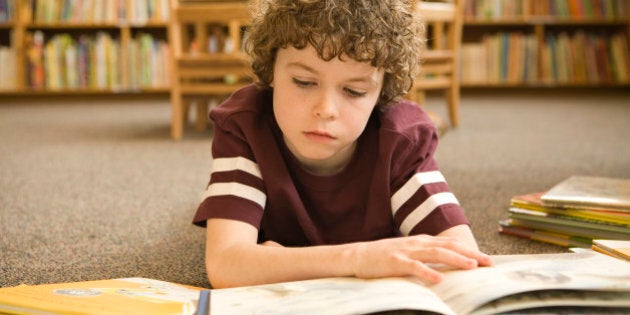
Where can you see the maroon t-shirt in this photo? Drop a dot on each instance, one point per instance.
(391, 187)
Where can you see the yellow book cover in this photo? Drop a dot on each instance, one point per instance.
(111, 296)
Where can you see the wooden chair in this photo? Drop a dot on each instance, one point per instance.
(439, 69)
(208, 62)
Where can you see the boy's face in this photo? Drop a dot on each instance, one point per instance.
(323, 106)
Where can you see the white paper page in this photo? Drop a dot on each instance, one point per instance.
(327, 296)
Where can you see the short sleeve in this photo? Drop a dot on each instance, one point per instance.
(422, 202)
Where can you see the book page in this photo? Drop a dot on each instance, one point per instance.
(461, 292)
(327, 296)
(465, 291)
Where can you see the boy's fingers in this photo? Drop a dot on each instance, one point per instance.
(463, 249)
(484, 260)
(445, 256)
(422, 271)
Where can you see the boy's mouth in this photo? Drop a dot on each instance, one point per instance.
(319, 136)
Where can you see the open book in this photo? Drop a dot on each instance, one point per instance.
(103, 297)
(513, 283)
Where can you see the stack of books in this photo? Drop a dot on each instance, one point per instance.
(573, 213)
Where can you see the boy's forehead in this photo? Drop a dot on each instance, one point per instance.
(327, 55)
(311, 53)
(308, 59)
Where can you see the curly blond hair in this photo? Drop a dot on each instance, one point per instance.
(385, 33)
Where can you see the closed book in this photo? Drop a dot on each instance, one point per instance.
(590, 192)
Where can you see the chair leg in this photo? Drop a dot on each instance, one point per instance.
(186, 110)
(452, 100)
(177, 118)
(201, 122)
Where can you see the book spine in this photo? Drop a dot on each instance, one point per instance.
(546, 237)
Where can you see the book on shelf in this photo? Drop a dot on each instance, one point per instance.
(7, 68)
(148, 62)
(6, 10)
(590, 192)
(35, 58)
(493, 9)
(107, 297)
(615, 248)
(513, 283)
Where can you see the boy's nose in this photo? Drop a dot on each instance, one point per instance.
(326, 107)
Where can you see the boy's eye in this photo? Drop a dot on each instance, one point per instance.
(354, 93)
(301, 83)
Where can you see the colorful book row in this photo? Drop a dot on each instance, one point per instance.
(96, 62)
(149, 62)
(607, 9)
(585, 58)
(483, 9)
(501, 58)
(100, 11)
(497, 9)
(514, 57)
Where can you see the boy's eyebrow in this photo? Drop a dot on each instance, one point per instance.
(301, 65)
(367, 79)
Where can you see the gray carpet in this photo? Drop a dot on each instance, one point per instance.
(95, 189)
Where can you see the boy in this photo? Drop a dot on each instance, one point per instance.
(321, 169)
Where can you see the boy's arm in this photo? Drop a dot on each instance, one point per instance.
(234, 259)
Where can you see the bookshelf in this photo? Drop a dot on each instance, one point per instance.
(123, 46)
(546, 43)
(100, 47)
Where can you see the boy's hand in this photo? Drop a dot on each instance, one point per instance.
(408, 256)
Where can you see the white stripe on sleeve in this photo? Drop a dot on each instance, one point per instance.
(425, 209)
(235, 163)
(238, 190)
(412, 185)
